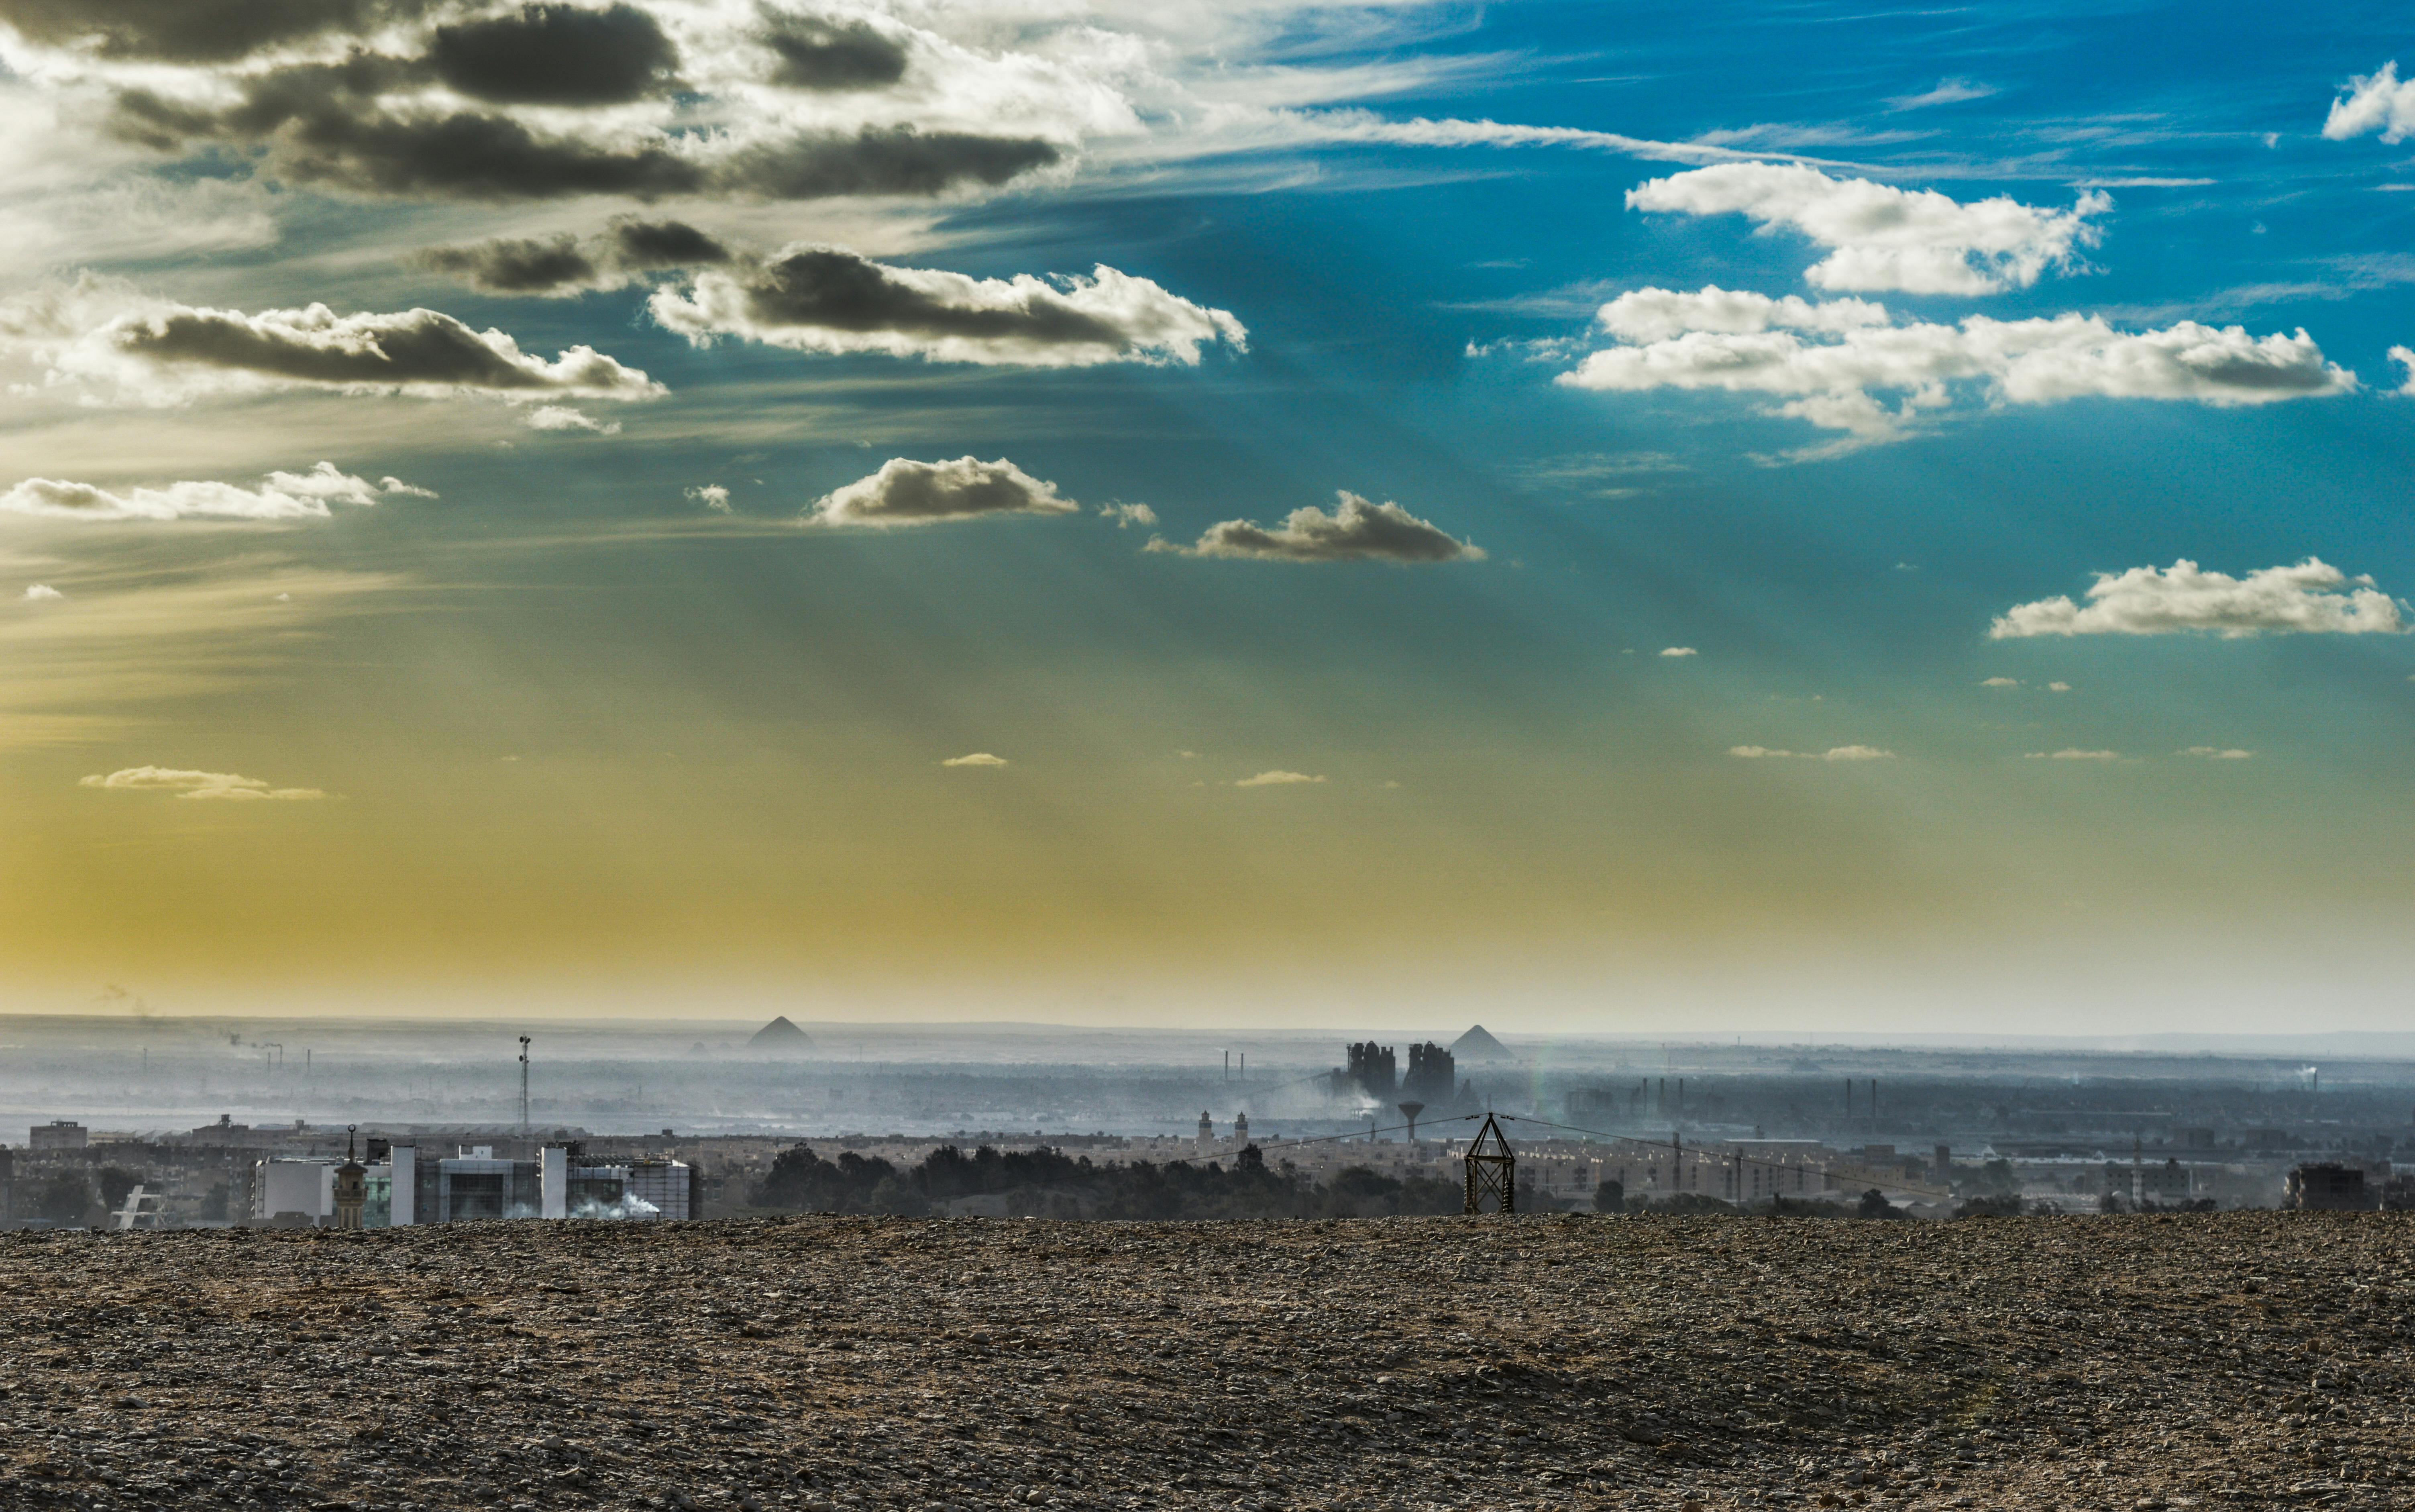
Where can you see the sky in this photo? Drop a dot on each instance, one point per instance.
(1636, 517)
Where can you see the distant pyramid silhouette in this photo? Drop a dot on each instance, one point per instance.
(780, 1035)
(1476, 1044)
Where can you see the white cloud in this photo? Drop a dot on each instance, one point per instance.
(285, 496)
(2072, 755)
(827, 299)
(2156, 601)
(1828, 363)
(1276, 779)
(2373, 102)
(205, 785)
(978, 759)
(1834, 753)
(562, 417)
(1679, 651)
(2000, 682)
(2058, 687)
(1356, 531)
(2215, 753)
(1124, 515)
(42, 593)
(1643, 316)
(107, 337)
(2404, 358)
(1883, 237)
(906, 492)
(712, 496)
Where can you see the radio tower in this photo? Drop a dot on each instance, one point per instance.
(524, 1108)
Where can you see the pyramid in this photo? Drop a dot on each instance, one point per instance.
(780, 1037)
(1476, 1044)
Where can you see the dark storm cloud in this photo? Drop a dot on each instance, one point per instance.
(193, 31)
(1357, 531)
(831, 289)
(567, 265)
(556, 55)
(817, 53)
(898, 161)
(323, 126)
(642, 245)
(509, 265)
(419, 349)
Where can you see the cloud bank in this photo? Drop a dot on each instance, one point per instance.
(978, 759)
(203, 785)
(1356, 531)
(828, 299)
(414, 99)
(286, 496)
(1883, 237)
(1830, 363)
(1276, 779)
(907, 492)
(2306, 599)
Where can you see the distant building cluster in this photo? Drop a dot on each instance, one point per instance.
(231, 1173)
(472, 1185)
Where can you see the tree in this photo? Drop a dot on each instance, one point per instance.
(64, 1197)
(1609, 1197)
(1874, 1204)
(116, 1182)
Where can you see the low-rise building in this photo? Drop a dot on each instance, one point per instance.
(58, 1134)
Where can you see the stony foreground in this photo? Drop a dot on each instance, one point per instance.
(1572, 1362)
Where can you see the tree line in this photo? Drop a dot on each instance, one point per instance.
(1050, 1183)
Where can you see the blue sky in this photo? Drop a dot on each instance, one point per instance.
(1563, 502)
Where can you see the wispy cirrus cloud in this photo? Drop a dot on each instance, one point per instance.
(185, 784)
(1834, 753)
(284, 496)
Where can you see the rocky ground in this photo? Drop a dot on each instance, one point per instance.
(2255, 1359)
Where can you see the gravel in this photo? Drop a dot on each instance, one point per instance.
(1568, 1362)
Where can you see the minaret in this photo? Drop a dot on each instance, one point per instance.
(1240, 1128)
(1206, 1129)
(351, 1186)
